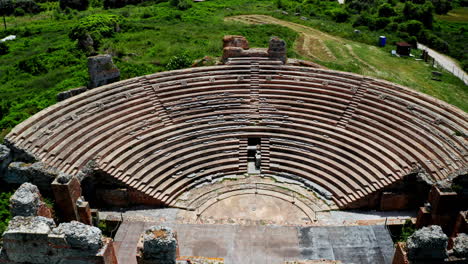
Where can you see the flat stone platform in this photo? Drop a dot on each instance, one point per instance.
(269, 244)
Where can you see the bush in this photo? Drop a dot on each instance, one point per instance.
(34, 65)
(27, 6)
(386, 10)
(179, 62)
(412, 27)
(4, 49)
(181, 4)
(339, 15)
(381, 22)
(442, 6)
(97, 27)
(365, 19)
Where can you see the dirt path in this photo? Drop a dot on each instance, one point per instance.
(447, 63)
(311, 42)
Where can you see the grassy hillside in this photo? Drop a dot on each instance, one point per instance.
(44, 60)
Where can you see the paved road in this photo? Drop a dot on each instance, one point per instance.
(269, 244)
(446, 62)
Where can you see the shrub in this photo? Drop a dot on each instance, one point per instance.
(413, 27)
(179, 62)
(181, 4)
(27, 6)
(386, 10)
(339, 15)
(34, 65)
(4, 49)
(381, 22)
(442, 6)
(74, 4)
(365, 19)
(97, 27)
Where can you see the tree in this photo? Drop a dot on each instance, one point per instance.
(442, 7)
(413, 27)
(74, 4)
(6, 8)
(386, 10)
(426, 15)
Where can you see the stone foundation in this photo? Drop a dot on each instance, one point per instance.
(37, 240)
(238, 46)
(158, 245)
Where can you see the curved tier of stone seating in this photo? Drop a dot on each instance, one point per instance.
(168, 133)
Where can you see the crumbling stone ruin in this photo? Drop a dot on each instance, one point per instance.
(428, 243)
(460, 246)
(27, 201)
(102, 71)
(36, 239)
(70, 93)
(5, 159)
(36, 173)
(158, 245)
(238, 46)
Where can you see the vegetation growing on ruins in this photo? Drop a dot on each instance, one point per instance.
(5, 214)
(162, 35)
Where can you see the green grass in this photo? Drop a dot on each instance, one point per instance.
(151, 35)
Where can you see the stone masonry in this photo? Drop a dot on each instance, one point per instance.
(277, 49)
(428, 243)
(5, 159)
(102, 71)
(37, 173)
(238, 46)
(157, 245)
(27, 201)
(38, 240)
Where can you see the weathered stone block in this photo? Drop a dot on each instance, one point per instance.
(394, 201)
(80, 236)
(277, 49)
(5, 159)
(159, 245)
(25, 239)
(36, 173)
(235, 41)
(102, 71)
(27, 201)
(460, 246)
(66, 191)
(428, 243)
(70, 93)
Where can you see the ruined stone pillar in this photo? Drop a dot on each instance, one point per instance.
(158, 245)
(102, 71)
(277, 49)
(84, 211)
(67, 190)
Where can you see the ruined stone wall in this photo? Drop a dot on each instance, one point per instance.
(238, 46)
(36, 239)
(102, 71)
